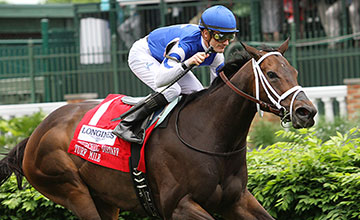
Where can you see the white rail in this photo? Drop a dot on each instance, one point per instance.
(10, 111)
(325, 94)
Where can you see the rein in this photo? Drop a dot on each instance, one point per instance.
(263, 105)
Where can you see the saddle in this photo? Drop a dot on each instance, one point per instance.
(93, 141)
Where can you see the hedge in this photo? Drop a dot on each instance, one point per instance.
(30, 204)
(14, 130)
(308, 178)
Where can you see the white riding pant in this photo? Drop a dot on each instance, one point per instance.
(330, 17)
(145, 67)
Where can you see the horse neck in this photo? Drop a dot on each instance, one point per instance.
(240, 110)
(226, 112)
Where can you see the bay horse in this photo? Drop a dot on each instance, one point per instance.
(196, 166)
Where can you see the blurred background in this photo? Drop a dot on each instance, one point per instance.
(51, 49)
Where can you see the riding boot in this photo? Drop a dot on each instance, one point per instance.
(132, 128)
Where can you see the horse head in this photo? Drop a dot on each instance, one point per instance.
(276, 89)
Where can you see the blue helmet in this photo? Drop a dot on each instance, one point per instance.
(218, 18)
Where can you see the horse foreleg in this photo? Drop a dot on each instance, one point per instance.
(189, 209)
(247, 208)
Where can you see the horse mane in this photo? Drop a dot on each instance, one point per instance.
(237, 59)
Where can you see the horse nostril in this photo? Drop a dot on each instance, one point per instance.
(303, 112)
(306, 112)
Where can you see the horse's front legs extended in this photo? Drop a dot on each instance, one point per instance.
(188, 209)
(247, 208)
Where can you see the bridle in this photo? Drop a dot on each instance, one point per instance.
(275, 107)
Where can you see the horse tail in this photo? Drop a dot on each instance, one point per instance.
(12, 163)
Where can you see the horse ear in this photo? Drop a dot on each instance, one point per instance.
(251, 50)
(282, 49)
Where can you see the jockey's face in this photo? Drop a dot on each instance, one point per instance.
(218, 45)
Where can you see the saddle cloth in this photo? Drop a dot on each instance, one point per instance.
(94, 142)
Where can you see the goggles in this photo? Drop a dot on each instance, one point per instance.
(222, 37)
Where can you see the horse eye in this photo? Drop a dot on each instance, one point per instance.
(271, 75)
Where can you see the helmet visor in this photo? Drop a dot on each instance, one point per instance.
(222, 37)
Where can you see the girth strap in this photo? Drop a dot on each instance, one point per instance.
(141, 185)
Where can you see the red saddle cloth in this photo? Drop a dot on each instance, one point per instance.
(94, 142)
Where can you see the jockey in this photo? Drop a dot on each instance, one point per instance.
(158, 58)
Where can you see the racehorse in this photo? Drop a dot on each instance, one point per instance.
(196, 166)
